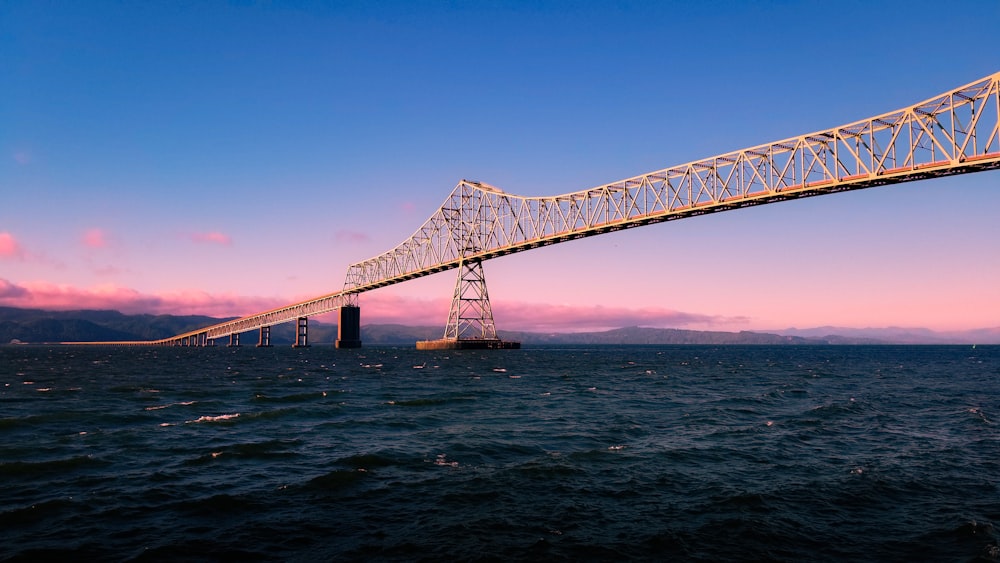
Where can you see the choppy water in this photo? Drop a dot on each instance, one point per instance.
(657, 453)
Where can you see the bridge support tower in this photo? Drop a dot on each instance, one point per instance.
(265, 337)
(470, 319)
(234, 340)
(301, 333)
(349, 327)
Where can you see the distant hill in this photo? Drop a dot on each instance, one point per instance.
(642, 335)
(38, 326)
(902, 335)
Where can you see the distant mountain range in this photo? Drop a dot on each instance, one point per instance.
(901, 335)
(38, 326)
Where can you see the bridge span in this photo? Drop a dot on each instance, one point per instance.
(957, 132)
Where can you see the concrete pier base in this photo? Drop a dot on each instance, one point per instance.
(234, 340)
(349, 327)
(467, 344)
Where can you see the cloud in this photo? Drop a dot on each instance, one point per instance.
(9, 291)
(108, 270)
(95, 238)
(540, 317)
(212, 237)
(45, 295)
(9, 247)
(375, 308)
(22, 157)
(395, 309)
(351, 236)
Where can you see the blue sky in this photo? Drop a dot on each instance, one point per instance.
(219, 157)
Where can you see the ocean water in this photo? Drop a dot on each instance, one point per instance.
(688, 453)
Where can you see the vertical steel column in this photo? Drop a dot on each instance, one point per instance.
(265, 337)
(302, 333)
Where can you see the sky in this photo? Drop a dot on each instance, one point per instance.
(223, 158)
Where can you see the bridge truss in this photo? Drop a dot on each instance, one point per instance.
(957, 132)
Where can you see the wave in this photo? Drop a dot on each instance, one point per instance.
(253, 416)
(294, 398)
(180, 404)
(430, 401)
(216, 505)
(32, 420)
(63, 465)
(11, 517)
(266, 449)
(336, 480)
(367, 461)
(219, 418)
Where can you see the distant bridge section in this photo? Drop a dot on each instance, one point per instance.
(957, 132)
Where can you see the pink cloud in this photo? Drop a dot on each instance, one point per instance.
(9, 247)
(212, 237)
(108, 270)
(539, 317)
(351, 236)
(375, 308)
(45, 295)
(395, 309)
(95, 238)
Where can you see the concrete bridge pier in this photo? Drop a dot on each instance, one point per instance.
(234, 340)
(302, 333)
(349, 327)
(265, 337)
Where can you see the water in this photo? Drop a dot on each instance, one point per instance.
(627, 453)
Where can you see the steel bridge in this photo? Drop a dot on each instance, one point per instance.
(957, 132)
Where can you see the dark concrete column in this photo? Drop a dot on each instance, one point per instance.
(302, 333)
(265, 337)
(349, 327)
